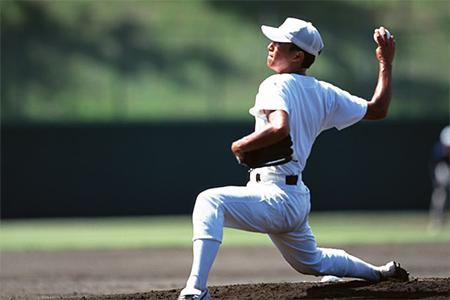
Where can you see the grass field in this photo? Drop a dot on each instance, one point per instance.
(148, 232)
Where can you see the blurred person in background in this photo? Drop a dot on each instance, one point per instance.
(440, 176)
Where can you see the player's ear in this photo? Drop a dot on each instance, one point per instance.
(299, 56)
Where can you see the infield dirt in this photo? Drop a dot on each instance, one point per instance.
(429, 288)
(238, 273)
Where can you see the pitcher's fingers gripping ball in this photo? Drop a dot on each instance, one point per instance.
(381, 33)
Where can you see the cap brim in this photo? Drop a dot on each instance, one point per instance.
(274, 34)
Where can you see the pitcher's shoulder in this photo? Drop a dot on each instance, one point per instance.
(330, 87)
(278, 80)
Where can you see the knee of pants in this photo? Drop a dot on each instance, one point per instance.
(208, 216)
(325, 261)
(332, 261)
(306, 268)
(306, 264)
(207, 207)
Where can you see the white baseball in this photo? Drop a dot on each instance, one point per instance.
(388, 35)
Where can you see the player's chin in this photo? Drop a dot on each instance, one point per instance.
(270, 64)
(273, 68)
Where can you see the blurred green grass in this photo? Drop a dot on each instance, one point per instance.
(176, 231)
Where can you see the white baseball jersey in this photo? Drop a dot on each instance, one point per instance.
(312, 105)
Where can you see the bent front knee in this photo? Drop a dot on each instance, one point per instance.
(208, 217)
(206, 205)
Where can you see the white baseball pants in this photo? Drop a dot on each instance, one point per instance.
(281, 211)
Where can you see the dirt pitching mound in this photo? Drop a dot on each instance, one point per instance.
(426, 288)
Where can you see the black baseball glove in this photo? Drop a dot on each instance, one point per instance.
(275, 154)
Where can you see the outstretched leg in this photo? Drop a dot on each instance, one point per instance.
(300, 250)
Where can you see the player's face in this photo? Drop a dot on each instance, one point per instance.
(282, 58)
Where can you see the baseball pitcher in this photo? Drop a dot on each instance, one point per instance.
(290, 111)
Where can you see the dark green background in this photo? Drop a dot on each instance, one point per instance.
(129, 107)
(147, 169)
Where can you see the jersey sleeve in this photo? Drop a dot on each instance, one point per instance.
(272, 95)
(346, 109)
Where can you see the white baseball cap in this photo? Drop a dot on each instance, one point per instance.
(298, 32)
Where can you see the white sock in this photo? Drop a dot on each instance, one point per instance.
(204, 252)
